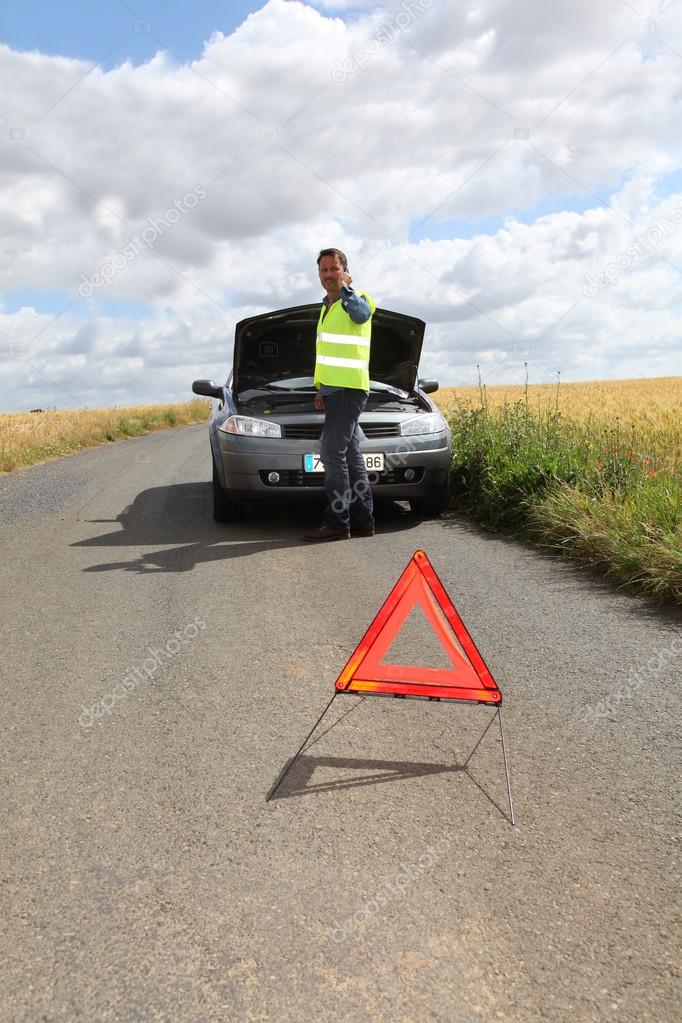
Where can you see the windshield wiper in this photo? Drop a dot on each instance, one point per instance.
(389, 392)
(274, 388)
(264, 393)
(288, 390)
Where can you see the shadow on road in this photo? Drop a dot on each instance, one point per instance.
(371, 772)
(180, 516)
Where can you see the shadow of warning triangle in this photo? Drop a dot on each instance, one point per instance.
(353, 772)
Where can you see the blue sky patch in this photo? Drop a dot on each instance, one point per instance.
(49, 301)
(112, 32)
(469, 227)
(53, 301)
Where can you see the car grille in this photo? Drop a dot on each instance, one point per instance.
(372, 430)
(302, 431)
(313, 431)
(298, 478)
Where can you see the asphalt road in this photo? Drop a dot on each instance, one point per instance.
(159, 670)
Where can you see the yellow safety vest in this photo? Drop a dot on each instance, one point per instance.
(342, 350)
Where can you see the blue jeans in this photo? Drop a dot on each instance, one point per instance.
(349, 497)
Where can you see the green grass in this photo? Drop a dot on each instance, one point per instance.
(583, 490)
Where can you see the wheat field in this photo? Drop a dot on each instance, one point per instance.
(644, 414)
(30, 437)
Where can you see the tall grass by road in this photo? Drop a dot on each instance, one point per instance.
(30, 437)
(592, 471)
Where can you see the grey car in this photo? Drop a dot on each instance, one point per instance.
(265, 431)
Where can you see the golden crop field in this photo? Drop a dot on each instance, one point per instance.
(30, 437)
(645, 413)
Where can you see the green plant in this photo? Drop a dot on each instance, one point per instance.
(586, 491)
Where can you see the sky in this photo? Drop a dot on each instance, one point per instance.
(509, 172)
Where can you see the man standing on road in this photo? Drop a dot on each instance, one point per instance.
(344, 333)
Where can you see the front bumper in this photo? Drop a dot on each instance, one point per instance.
(244, 464)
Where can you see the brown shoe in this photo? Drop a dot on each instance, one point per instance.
(323, 533)
(362, 530)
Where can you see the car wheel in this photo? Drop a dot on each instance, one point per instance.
(432, 505)
(225, 508)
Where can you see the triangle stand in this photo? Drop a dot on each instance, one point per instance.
(366, 673)
(498, 714)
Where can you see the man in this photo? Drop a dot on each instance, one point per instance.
(344, 334)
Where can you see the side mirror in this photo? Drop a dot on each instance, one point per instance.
(207, 388)
(427, 386)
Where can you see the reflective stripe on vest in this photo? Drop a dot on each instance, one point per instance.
(343, 348)
(343, 339)
(335, 360)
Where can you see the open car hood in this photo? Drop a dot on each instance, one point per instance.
(281, 345)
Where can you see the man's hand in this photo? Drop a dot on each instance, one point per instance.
(345, 278)
(319, 402)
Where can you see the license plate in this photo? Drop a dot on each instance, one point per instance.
(373, 463)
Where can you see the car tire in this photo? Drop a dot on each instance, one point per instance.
(225, 508)
(432, 505)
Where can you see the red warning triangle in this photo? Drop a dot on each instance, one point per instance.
(467, 679)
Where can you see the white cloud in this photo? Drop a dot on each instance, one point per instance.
(306, 130)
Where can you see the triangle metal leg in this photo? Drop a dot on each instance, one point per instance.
(480, 740)
(308, 737)
(291, 763)
(506, 768)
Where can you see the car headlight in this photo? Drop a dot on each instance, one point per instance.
(247, 427)
(429, 422)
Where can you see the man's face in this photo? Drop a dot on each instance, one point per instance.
(330, 273)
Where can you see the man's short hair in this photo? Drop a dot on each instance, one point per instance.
(334, 252)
